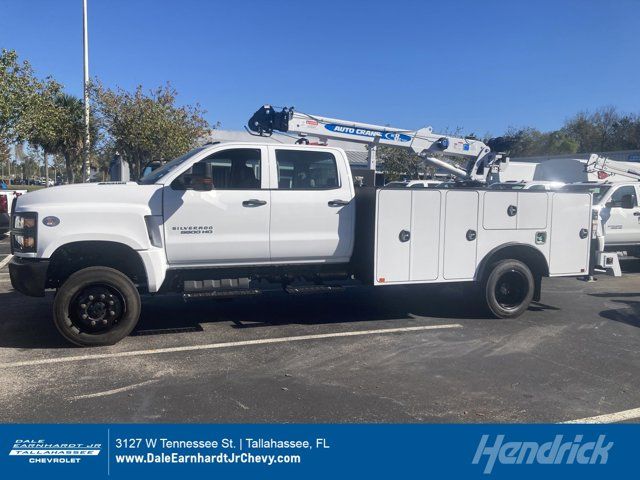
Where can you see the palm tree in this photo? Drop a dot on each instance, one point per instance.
(70, 139)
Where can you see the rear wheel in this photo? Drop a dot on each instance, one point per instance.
(509, 288)
(96, 306)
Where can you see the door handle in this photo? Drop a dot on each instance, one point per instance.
(254, 202)
(637, 214)
(337, 203)
(471, 235)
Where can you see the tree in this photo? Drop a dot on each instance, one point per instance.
(39, 112)
(5, 160)
(17, 87)
(56, 124)
(399, 163)
(605, 129)
(70, 139)
(40, 125)
(147, 126)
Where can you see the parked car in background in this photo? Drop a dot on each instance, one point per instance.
(414, 184)
(462, 184)
(6, 202)
(533, 185)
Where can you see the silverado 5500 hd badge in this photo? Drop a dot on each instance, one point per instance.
(194, 230)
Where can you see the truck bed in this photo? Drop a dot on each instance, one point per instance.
(434, 235)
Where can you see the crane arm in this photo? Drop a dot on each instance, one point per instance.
(596, 163)
(423, 141)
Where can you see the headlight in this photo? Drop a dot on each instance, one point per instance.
(24, 234)
(22, 221)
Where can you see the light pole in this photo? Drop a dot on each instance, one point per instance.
(86, 170)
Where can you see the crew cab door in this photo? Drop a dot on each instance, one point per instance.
(227, 224)
(312, 206)
(622, 225)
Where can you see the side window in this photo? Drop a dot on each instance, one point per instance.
(306, 170)
(616, 197)
(234, 169)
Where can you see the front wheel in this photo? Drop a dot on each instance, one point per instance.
(509, 288)
(96, 306)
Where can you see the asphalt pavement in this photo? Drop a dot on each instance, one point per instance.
(365, 355)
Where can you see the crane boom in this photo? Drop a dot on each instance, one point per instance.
(424, 141)
(596, 163)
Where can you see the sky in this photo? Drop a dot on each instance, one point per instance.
(482, 66)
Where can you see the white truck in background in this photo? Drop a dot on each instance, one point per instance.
(616, 212)
(413, 184)
(542, 185)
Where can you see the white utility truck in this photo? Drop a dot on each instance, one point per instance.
(236, 219)
(616, 210)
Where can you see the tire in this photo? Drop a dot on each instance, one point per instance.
(96, 306)
(508, 289)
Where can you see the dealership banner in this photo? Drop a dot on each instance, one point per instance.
(318, 451)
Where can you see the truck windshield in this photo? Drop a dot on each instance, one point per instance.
(157, 174)
(598, 191)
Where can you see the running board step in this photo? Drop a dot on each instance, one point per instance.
(221, 293)
(302, 290)
(208, 285)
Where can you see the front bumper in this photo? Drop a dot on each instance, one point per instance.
(29, 276)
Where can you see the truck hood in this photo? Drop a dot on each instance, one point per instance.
(94, 197)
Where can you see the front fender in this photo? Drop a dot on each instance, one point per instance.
(46, 251)
(120, 223)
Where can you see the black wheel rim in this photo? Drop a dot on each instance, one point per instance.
(511, 289)
(97, 309)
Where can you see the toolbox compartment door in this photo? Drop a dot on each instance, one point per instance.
(392, 254)
(460, 234)
(500, 210)
(532, 210)
(570, 215)
(425, 234)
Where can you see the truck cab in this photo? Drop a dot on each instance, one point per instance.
(257, 204)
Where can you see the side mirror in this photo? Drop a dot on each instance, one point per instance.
(197, 183)
(200, 179)
(627, 201)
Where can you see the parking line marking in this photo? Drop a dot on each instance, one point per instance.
(114, 391)
(211, 346)
(6, 260)
(610, 417)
